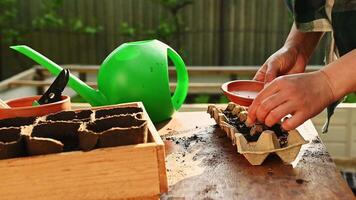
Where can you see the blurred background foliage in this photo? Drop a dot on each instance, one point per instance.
(169, 29)
(13, 29)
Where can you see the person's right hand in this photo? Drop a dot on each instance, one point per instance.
(302, 95)
(287, 60)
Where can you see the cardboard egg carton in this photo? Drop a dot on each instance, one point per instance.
(72, 130)
(257, 151)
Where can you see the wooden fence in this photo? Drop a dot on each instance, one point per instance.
(220, 32)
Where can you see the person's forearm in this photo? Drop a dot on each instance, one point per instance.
(303, 42)
(341, 75)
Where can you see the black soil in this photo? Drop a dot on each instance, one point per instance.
(245, 130)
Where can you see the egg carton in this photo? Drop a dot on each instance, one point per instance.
(72, 130)
(257, 151)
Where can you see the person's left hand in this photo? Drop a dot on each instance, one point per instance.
(301, 95)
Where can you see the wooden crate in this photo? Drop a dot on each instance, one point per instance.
(133, 171)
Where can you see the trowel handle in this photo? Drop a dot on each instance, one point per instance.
(182, 79)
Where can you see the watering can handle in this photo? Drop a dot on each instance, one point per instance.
(182, 79)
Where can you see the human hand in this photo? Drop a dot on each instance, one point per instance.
(301, 95)
(287, 60)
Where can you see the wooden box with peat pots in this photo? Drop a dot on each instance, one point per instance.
(107, 152)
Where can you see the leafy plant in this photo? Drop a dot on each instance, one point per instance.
(49, 16)
(8, 12)
(14, 29)
(169, 30)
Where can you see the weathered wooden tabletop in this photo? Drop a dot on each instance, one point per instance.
(203, 164)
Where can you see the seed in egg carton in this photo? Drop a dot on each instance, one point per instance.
(256, 141)
(256, 129)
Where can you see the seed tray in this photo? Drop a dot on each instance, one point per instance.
(113, 151)
(256, 149)
(75, 130)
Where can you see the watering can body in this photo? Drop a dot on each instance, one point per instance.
(138, 71)
(135, 71)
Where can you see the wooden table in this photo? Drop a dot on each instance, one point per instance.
(203, 164)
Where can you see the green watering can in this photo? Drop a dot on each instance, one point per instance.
(135, 71)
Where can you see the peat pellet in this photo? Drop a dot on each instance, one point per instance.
(230, 106)
(17, 122)
(11, 143)
(238, 109)
(243, 116)
(65, 132)
(117, 111)
(123, 136)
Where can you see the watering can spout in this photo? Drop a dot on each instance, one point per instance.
(92, 96)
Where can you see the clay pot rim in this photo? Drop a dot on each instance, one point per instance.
(65, 98)
(224, 88)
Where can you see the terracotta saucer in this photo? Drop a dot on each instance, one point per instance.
(22, 107)
(242, 92)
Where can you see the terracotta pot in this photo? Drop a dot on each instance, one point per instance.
(22, 107)
(242, 92)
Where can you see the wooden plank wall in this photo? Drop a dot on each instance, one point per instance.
(341, 138)
(228, 32)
